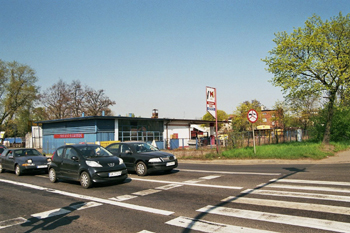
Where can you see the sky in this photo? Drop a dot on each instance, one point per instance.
(156, 54)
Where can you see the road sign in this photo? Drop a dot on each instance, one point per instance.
(211, 101)
(252, 116)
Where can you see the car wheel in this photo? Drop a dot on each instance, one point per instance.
(18, 170)
(1, 169)
(85, 180)
(141, 169)
(52, 175)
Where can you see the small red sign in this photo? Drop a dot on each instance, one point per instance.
(69, 135)
(252, 116)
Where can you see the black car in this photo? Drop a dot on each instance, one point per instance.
(87, 163)
(23, 160)
(143, 158)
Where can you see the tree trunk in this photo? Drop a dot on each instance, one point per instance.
(327, 132)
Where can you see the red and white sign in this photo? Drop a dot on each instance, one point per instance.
(252, 116)
(69, 135)
(211, 101)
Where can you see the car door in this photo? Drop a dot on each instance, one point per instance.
(7, 160)
(126, 155)
(70, 167)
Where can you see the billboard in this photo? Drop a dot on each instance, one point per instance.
(211, 101)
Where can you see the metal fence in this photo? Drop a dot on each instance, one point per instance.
(239, 139)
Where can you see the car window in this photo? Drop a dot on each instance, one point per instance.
(124, 148)
(144, 147)
(30, 152)
(114, 148)
(94, 151)
(59, 152)
(70, 152)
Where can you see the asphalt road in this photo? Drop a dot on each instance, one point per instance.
(196, 197)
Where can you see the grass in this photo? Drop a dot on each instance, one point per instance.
(288, 151)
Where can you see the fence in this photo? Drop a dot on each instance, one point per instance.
(239, 139)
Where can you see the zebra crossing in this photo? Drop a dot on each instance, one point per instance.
(307, 196)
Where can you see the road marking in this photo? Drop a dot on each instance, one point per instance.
(333, 189)
(299, 195)
(189, 184)
(206, 226)
(146, 192)
(90, 198)
(51, 213)
(122, 197)
(311, 182)
(290, 205)
(12, 222)
(169, 186)
(209, 177)
(232, 173)
(327, 225)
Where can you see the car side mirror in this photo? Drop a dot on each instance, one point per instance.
(44, 155)
(75, 158)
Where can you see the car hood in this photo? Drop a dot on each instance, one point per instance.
(36, 159)
(104, 160)
(153, 154)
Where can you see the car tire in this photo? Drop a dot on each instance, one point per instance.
(1, 169)
(141, 169)
(85, 180)
(52, 175)
(18, 171)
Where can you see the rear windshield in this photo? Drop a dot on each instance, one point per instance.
(94, 151)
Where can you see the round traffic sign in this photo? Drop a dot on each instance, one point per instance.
(252, 116)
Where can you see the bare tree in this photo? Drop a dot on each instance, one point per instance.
(96, 102)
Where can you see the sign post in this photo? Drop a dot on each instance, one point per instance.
(212, 109)
(252, 118)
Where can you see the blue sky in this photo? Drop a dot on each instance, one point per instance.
(161, 54)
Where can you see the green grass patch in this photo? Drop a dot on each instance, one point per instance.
(292, 150)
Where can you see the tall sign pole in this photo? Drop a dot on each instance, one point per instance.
(212, 109)
(252, 118)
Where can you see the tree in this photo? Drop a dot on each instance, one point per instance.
(97, 102)
(240, 121)
(18, 92)
(221, 115)
(313, 59)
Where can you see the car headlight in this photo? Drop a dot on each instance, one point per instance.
(29, 161)
(93, 164)
(174, 157)
(121, 161)
(48, 160)
(155, 160)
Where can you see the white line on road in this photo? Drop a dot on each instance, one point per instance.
(189, 184)
(321, 224)
(90, 198)
(311, 182)
(12, 222)
(290, 205)
(332, 189)
(232, 173)
(206, 226)
(299, 195)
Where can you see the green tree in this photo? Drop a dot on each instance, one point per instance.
(313, 59)
(18, 93)
(222, 116)
(240, 121)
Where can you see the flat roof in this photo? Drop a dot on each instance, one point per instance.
(166, 120)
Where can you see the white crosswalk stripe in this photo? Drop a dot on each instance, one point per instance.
(317, 197)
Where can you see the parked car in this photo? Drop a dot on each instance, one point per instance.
(87, 163)
(143, 158)
(23, 160)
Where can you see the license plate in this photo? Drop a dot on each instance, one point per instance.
(42, 166)
(111, 174)
(170, 164)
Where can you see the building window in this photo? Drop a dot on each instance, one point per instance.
(146, 130)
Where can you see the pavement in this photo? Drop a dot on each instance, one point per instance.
(339, 157)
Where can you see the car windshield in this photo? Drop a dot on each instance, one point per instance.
(94, 151)
(26, 152)
(144, 147)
